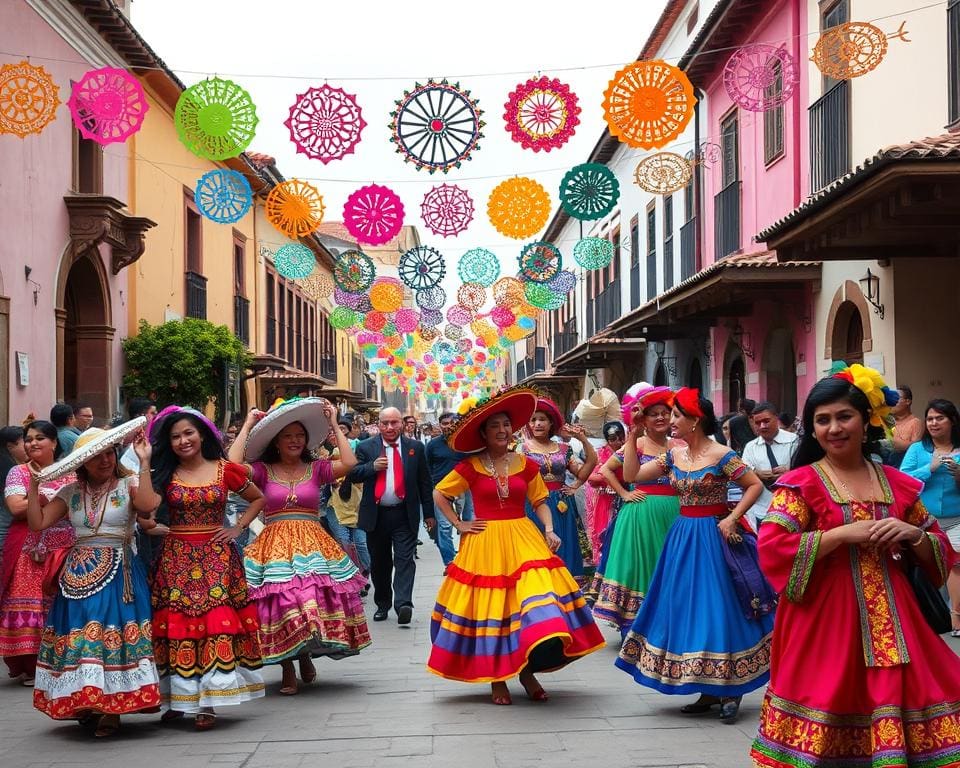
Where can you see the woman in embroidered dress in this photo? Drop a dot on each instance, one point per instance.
(605, 493)
(204, 623)
(306, 587)
(859, 678)
(645, 518)
(508, 606)
(555, 459)
(96, 656)
(28, 554)
(691, 634)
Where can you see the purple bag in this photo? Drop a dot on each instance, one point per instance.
(757, 598)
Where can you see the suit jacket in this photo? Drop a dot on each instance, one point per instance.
(416, 478)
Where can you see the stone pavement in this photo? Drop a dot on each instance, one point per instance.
(382, 709)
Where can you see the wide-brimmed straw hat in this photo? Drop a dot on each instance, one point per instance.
(602, 406)
(91, 442)
(306, 410)
(518, 403)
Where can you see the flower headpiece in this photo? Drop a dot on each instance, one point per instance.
(880, 397)
(630, 398)
(688, 401)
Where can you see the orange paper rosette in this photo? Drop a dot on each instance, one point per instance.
(648, 104)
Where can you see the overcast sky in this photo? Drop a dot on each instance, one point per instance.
(277, 50)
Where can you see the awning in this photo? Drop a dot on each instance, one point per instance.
(545, 379)
(596, 352)
(296, 380)
(332, 393)
(904, 201)
(727, 288)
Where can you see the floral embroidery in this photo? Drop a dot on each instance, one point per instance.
(803, 566)
(789, 510)
(88, 570)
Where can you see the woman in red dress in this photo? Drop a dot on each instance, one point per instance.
(872, 685)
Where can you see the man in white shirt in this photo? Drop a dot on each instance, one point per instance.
(769, 455)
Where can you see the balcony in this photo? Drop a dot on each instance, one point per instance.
(241, 319)
(607, 306)
(521, 371)
(328, 367)
(196, 295)
(688, 249)
(566, 340)
(727, 220)
(830, 136)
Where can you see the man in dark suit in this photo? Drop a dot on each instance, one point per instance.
(396, 488)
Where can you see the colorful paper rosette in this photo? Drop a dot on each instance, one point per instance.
(373, 214)
(353, 272)
(28, 99)
(294, 261)
(519, 207)
(295, 208)
(215, 119)
(663, 173)
(447, 210)
(593, 252)
(325, 123)
(478, 265)
(108, 105)
(540, 261)
(541, 114)
(760, 77)
(223, 196)
(422, 267)
(648, 104)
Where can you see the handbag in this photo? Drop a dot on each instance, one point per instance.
(53, 564)
(931, 603)
(754, 593)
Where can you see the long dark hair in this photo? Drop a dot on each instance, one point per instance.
(826, 392)
(948, 409)
(709, 419)
(49, 431)
(271, 454)
(7, 462)
(165, 462)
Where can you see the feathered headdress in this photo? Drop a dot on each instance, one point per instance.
(869, 381)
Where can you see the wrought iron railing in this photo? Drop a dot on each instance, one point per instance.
(241, 319)
(688, 249)
(727, 220)
(830, 136)
(196, 295)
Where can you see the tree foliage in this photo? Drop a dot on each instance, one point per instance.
(181, 361)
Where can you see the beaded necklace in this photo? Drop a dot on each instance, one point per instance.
(292, 499)
(502, 481)
(95, 520)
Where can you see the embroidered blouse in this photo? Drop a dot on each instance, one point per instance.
(525, 484)
(553, 465)
(706, 486)
(112, 517)
(204, 505)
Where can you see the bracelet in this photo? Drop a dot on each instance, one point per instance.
(922, 538)
(548, 530)
(146, 471)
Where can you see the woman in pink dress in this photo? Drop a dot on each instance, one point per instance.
(859, 679)
(605, 494)
(28, 554)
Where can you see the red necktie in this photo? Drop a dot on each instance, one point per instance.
(398, 486)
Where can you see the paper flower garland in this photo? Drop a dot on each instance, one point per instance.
(422, 267)
(564, 282)
(317, 285)
(386, 294)
(215, 119)
(431, 298)
(325, 123)
(518, 207)
(589, 191)
(540, 261)
(343, 318)
(295, 208)
(751, 76)
(223, 196)
(508, 292)
(540, 296)
(373, 214)
(648, 104)
(447, 210)
(541, 114)
(108, 105)
(353, 272)
(471, 295)
(478, 265)
(593, 252)
(851, 50)
(294, 261)
(436, 126)
(663, 173)
(28, 99)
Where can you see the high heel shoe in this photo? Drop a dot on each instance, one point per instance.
(729, 709)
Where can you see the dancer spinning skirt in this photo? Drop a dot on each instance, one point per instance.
(96, 657)
(645, 517)
(859, 678)
(204, 622)
(692, 634)
(28, 556)
(554, 460)
(508, 605)
(306, 588)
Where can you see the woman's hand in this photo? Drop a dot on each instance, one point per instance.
(636, 432)
(574, 430)
(159, 529)
(553, 541)
(142, 447)
(728, 527)
(253, 416)
(227, 534)
(634, 495)
(892, 530)
(470, 526)
(858, 532)
(568, 490)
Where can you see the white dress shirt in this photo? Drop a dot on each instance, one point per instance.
(390, 498)
(784, 445)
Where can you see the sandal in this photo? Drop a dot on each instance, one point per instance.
(204, 721)
(108, 726)
(308, 672)
(701, 706)
(501, 697)
(170, 715)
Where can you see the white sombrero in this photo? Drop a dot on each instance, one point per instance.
(307, 410)
(602, 406)
(91, 442)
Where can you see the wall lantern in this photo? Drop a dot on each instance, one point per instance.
(870, 285)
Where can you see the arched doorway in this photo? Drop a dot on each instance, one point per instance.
(85, 336)
(847, 340)
(736, 377)
(659, 375)
(779, 366)
(695, 375)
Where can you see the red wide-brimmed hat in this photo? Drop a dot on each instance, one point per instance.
(656, 396)
(547, 406)
(518, 403)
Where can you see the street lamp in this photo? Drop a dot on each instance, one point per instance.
(870, 286)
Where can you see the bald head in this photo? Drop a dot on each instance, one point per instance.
(390, 424)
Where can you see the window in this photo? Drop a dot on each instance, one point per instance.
(667, 242)
(689, 204)
(729, 143)
(634, 263)
(651, 251)
(87, 165)
(291, 323)
(773, 118)
(271, 314)
(193, 235)
(953, 57)
(239, 262)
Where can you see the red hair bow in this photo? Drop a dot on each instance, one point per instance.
(688, 400)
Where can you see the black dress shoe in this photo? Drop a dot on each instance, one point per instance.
(729, 709)
(404, 614)
(381, 614)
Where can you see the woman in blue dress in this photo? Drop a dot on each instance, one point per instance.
(692, 634)
(555, 459)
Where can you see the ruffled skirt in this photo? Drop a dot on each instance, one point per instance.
(574, 542)
(307, 592)
(96, 654)
(508, 604)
